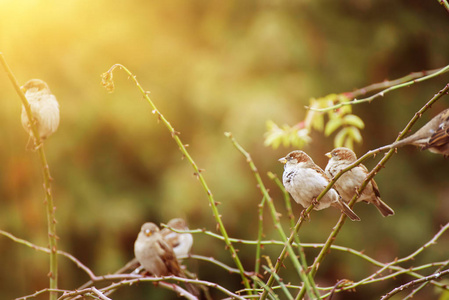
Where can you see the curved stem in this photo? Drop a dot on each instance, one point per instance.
(109, 85)
(393, 86)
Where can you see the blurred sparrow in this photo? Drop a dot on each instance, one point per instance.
(156, 255)
(433, 136)
(43, 105)
(304, 180)
(180, 242)
(349, 182)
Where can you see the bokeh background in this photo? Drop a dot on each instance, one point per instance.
(211, 67)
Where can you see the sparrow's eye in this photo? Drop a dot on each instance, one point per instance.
(147, 232)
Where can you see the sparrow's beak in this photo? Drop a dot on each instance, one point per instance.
(328, 154)
(283, 160)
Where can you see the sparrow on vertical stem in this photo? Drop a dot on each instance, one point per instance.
(304, 180)
(349, 182)
(44, 107)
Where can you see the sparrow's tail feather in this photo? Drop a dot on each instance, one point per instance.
(346, 210)
(384, 209)
(193, 289)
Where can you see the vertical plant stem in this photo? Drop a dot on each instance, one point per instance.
(51, 219)
(259, 239)
(308, 282)
(288, 206)
(108, 83)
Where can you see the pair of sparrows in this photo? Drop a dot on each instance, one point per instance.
(159, 251)
(179, 243)
(44, 107)
(305, 180)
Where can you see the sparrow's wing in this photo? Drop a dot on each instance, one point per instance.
(171, 237)
(169, 258)
(438, 139)
(375, 188)
(320, 171)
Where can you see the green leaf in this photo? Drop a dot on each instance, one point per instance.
(317, 121)
(332, 125)
(340, 137)
(273, 137)
(354, 120)
(349, 143)
(354, 133)
(300, 138)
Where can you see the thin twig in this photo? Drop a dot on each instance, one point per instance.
(259, 238)
(279, 281)
(130, 279)
(47, 290)
(291, 216)
(414, 282)
(308, 281)
(220, 264)
(445, 4)
(388, 83)
(46, 250)
(383, 92)
(415, 291)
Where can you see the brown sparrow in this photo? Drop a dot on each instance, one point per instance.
(180, 242)
(304, 180)
(156, 255)
(350, 181)
(433, 136)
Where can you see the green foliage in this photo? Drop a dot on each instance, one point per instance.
(341, 121)
(287, 135)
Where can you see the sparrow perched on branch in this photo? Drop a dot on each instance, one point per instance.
(44, 107)
(349, 182)
(180, 242)
(304, 180)
(433, 136)
(156, 255)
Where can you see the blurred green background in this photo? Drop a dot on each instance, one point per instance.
(211, 67)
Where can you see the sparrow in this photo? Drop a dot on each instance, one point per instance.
(349, 182)
(43, 105)
(156, 255)
(304, 180)
(180, 242)
(433, 136)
